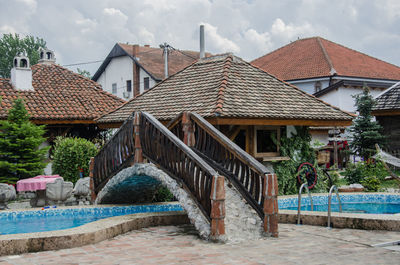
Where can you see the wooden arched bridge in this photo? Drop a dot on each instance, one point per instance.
(196, 155)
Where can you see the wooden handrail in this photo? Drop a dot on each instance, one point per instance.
(245, 172)
(168, 152)
(115, 155)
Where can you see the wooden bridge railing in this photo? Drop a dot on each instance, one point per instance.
(252, 179)
(165, 150)
(114, 156)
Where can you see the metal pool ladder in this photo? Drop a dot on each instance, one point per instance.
(304, 185)
(333, 188)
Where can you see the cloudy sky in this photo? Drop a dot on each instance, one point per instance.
(86, 30)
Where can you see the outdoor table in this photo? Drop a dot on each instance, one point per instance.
(37, 184)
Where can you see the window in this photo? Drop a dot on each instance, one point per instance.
(146, 82)
(114, 88)
(318, 86)
(264, 145)
(128, 86)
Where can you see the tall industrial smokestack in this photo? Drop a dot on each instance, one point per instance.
(202, 53)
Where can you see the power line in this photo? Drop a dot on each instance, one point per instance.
(83, 63)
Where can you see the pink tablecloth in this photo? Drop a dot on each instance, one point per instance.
(36, 183)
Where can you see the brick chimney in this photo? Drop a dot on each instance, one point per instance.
(21, 73)
(135, 49)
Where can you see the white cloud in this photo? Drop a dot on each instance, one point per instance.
(214, 40)
(32, 4)
(87, 30)
(290, 31)
(261, 40)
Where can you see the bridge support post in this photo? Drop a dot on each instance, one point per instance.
(188, 130)
(138, 158)
(270, 188)
(91, 181)
(217, 207)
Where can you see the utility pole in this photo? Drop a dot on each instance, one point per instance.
(166, 48)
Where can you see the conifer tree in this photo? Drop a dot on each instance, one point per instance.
(20, 156)
(366, 131)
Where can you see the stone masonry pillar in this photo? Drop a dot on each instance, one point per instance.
(217, 207)
(270, 189)
(91, 183)
(138, 147)
(188, 130)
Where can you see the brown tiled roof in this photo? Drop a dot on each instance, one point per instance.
(226, 86)
(390, 99)
(152, 59)
(59, 94)
(318, 57)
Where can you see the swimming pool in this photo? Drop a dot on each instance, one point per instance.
(15, 222)
(351, 203)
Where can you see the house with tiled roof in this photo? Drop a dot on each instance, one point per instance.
(244, 102)
(66, 102)
(387, 113)
(129, 70)
(328, 70)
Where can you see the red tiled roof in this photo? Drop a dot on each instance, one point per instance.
(318, 57)
(152, 59)
(225, 86)
(59, 94)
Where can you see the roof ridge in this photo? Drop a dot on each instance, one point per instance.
(223, 84)
(326, 55)
(341, 45)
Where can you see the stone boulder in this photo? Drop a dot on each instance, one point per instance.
(7, 193)
(82, 191)
(59, 190)
(82, 187)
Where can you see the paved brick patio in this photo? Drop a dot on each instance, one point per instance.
(180, 245)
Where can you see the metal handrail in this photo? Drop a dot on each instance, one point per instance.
(304, 185)
(329, 203)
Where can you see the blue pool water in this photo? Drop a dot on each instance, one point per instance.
(351, 203)
(58, 219)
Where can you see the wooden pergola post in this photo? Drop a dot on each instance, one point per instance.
(270, 189)
(188, 130)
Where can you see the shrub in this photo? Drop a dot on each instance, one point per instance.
(359, 172)
(163, 195)
(371, 183)
(70, 155)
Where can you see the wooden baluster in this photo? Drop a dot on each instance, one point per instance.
(138, 157)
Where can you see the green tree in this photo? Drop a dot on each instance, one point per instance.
(366, 131)
(20, 156)
(11, 45)
(84, 73)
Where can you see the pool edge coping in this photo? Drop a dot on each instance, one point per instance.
(94, 232)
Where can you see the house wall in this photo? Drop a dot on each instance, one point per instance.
(144, 74)
(118, 71)
(343, 97)
(309, 85)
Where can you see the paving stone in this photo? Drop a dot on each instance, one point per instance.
(180, 245)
